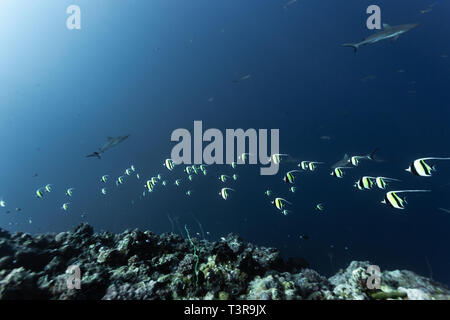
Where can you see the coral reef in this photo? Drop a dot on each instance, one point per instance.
(143, 265)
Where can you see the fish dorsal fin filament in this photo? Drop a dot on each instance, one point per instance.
(386, 26)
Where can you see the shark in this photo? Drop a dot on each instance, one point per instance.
(388, 32)
(111, 142)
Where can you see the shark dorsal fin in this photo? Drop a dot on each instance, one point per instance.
(386, 26)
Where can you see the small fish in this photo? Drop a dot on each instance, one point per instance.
(444, 210)
(104, 178)
(143, 193)
(224, 192)
(190, 177)
(289, 177)
(365, 183)
(189, 192)
(39, 193)
(268, 193)
(235, 177)
(223, 178)
(159, 176)
(303, 165)
(244, 157)
(203, 167)
(276, 158)
(133, 168)
(164, 183)
(18, 209)
(289, 3)
(286, 212)
(420, 168)
(104, 191)
(138, 176)
(69, 191)
(194, 168)
(120, 179)
(247, 76)
(204, 172)
(128, 172)
(313, 165)
(149, 185)
(292, 189)
(2, 203)
(169, 164)
(338, 173)
(393, 200)
(48, 188)
(154, 180)
(320, 207)
(177, 182)
(65, 206)
(279, 203)
(354, 160)
(233, 165)
(188, 169)
(382, 182)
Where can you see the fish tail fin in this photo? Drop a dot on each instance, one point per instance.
(353, 45)
(371, 155)
(286, 201)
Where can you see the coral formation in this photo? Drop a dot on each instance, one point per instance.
(143, 265)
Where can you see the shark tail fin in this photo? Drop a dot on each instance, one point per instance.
(353, 45)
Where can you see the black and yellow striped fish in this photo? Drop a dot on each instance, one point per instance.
(395, 201)
(289, 177)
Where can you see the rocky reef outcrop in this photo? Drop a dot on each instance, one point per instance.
(142, 265)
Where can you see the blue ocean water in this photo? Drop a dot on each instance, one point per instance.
(146, 68)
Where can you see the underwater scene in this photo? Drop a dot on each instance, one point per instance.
(225, 150)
